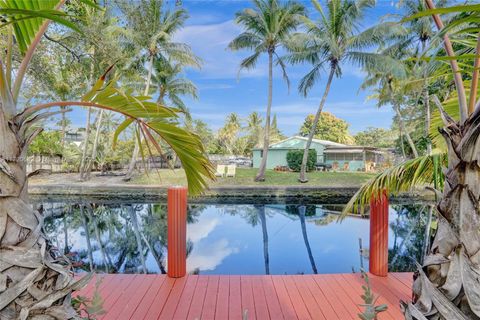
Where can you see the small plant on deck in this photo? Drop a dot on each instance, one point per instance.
(371, 309)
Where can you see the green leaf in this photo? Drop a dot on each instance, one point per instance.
(452, 9)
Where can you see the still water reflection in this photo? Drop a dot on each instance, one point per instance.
(231, 239)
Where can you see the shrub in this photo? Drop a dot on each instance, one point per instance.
(294, 159)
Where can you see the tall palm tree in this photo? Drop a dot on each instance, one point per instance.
(31, 263)
(152, 26)
(172, 86)
(448, 286)
(329, 42)
(267, 28)
(390, 89)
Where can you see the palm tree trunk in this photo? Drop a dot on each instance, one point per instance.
(263, 219)
(83, 162)
(30, 270)
(98, 237)
(65, 232)
(136, 149)
(87, 238)
(449, 285)
(426, 237)
(266, 135)
(95, 145)
(133, 218)
(303, 168)
(401, 123)
(426, 102)
(302, 210)
(64, 127)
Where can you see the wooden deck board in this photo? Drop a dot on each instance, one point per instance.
(227, 297)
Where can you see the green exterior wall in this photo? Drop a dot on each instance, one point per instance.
(275, 158)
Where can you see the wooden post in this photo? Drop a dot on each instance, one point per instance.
(177, 232)
(379, 235)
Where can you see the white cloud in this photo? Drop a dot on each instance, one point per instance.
(210, 42)
(208, 255)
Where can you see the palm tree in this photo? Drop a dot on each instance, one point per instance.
(267, 28)
(152, 27)
(390, 89)
(448, 285)
(329, 42)
(171, 86)
(21, 227)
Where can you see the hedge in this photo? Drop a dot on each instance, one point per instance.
(294, 159)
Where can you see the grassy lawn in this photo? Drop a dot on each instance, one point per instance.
(245, 177)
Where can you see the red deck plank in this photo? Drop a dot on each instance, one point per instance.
(142, 309)
(235, 299)
(186, 299)
(308, 299)
(159, 302)
(172, 302)
(248, 303)
(284, 299)
(221, 311)
(271, 297)
(261, 308)
(332, 298)
(198, 297)
(208, 311)
(129, 299)
(320, 299)
(202, 297)
(296, 298)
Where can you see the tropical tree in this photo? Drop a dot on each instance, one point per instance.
(329, 42)
(328, 128)
(172, 86)
(447, 286)
(151, 27)
(267, 28)
(34, 279)
(375, 137)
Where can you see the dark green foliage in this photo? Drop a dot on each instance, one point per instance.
(294, 159)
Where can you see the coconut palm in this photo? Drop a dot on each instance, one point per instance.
(152, 26)
(328, 43)
(171, 86)
(389, 88)
(34, 279)
(448, 286)
(267, 28)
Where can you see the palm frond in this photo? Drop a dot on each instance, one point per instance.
(407, 176)
(154, 122)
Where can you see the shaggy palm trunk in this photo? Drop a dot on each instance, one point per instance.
(303, 168)
(87, 238)
(448, 285)
(266, 135)
(34, 279)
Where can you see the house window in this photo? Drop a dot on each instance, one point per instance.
(261, 153)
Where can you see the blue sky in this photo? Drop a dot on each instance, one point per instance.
(208, 31)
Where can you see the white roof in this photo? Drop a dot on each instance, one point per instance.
(324, 142)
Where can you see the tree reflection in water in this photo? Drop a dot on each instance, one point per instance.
(132, 238)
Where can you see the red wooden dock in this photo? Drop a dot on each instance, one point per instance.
(326, 296)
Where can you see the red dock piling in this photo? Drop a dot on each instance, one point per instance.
(177, 232)
(379, 235)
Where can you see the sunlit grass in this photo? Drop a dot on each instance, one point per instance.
(244, 177)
